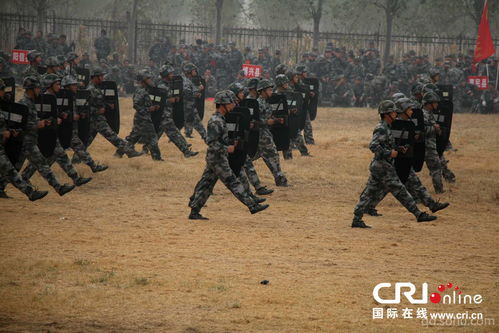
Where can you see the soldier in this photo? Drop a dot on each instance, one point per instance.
(35, 59)
(266, 146)
(296, 139)
(40, 43)
(143, 127)
(98, 122)
(166, 75)
(30, 148)
(235, 59)
(432, 129)
(52, 85)
(102, 46)
(73, 61)
(383, 175)
(342, 94)
(413, 183)
(8, 172)
(191, 92)
(217, 164)
(80, 151)
(308, 134)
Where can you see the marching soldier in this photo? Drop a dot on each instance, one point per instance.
(30, 148)
(8, 172)
(52, 84)
(266, 146)
(413, 183)
(217, 164)
(383, 175)
(191, 92)
(71, 84)
(143, 128)
(98, 122)
(166, 74)
(297, 141)
(308, 134)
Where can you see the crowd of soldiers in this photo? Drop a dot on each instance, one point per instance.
(341, 79)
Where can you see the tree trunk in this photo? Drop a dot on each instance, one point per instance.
(41, 14)
(388, 37)
(218, 36)
(317, 22)
(132, 33)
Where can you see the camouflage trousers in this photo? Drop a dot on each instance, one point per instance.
(192, 119)
(383, 178)
(80, 151)
(250, 173)
(172, 132)
(415, 188)
(307, 131)
(446, 172)
(60, 157)
(218, 168)
(99, 125)
(434, 165)
(296, 142)
(32, 153)
(268, 152)
(9, 174)
(143, 130)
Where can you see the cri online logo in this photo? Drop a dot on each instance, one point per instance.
(408, 289)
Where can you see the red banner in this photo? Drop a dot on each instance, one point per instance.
(20, 57)
(481, 82)
(252, 70)
(484, 44)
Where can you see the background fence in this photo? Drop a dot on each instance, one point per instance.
(291, 42)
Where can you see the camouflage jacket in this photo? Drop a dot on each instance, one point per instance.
(430, 132)
(3, 128)
(217, 137)
(31, 131)
(189, 88)
(142, 102)
(96, 100)
(382, 142)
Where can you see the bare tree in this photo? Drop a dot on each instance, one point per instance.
(391, 8)
(218, 36)
(315, 10)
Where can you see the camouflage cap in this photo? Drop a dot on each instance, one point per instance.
(430, 87)
(417, 89)
(33, 54)
(97, 71)
(49, 79)
(386, 106)
(52, 62)
(31, 82)
(225, 97)
(301, 69)
(165, 70)
(253, 83)
(397, 96)
(189, 67)
(281, 80)
(281, 69)
(403, 104)
(143, 75)
(235, 87)
(264, 84)
(430, 97)
(68, 80)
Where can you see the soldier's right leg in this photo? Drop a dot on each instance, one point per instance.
(253, 178)
(103, 128)
(82, 154)
(434, 166)
(36, 158)
(308, 132)
(173, 133)
(10, 174)
(271, 158)
(203, 189)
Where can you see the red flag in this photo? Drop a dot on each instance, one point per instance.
(484, 43)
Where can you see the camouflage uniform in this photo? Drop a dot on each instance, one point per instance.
(266, 146)
(191, 114)
(168, 125)
(383, 176)
(143, 127)
(8, 172)
(431, 155)
(217, 167)
(98, 122)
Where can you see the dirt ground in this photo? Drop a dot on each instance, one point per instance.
(120, 255)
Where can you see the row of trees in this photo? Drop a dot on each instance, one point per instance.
(417, 17)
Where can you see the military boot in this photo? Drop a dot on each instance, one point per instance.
(63, 189)
(118, 153)
(82, 181)
(282, 182)
(258, 208)
(287, 155)
(435, 207)
(425, 217)
(133, 154)
(190, 153)
(99, 168)
(196, 215)
(257, 199)
(373, 212)
(359, 223)
(36, 195)
(264, 191)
